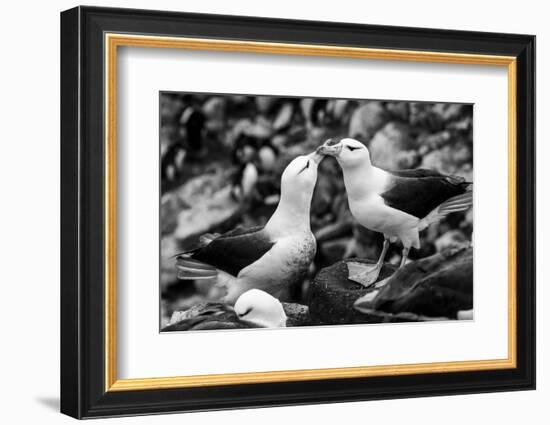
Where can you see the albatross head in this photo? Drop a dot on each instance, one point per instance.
(260, 308)
(300, 176)
(348, 152)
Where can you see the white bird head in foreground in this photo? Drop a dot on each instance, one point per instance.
(260, 308)
(348, 152)
(299, 178)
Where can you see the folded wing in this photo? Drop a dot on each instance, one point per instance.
(230, 252)
(419, 192)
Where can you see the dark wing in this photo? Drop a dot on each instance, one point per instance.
(418, 192)
(235, 250)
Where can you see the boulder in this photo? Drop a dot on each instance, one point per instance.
(331, 295)
(448, 159)
(391, 147)
(451, 239)
(208, 206)
(366, 120)
(297, 314)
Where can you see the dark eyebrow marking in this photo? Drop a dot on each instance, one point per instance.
(246, 312)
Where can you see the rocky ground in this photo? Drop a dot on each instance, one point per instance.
(206, 153)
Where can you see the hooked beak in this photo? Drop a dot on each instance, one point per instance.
(332, 150)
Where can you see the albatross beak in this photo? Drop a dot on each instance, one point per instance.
(332, 150)
(316, 157)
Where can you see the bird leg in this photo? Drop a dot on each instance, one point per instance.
(367, 274)
(404, 256)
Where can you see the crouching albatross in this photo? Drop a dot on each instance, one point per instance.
(398, 204)
(253, 309)
(270, 257)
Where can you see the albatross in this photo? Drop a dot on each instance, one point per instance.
(398, 204)
(253, 309)
(270, 257)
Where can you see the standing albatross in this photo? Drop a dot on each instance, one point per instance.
(270, 257)
(398, 204)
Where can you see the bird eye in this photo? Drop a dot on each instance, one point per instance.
(352, 148)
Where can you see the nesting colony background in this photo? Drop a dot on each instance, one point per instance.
(222, 157)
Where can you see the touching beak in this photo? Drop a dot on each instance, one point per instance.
(332, 150)
(316, 157)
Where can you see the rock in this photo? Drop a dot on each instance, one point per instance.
(399, 110)
(451, 239)
(422, 114)
(170, 106)
(331, 295)
(434, 287)
(170, 205)
(193, 311)
(333, 250)
(265, 103)
(448, 159)
(259, 128)
(334, 230)
(464, 124)
(323, 196)
(366, 120)
(391, 146)
(200, 205)
(429, 142)
(297, 314)
(448, 111)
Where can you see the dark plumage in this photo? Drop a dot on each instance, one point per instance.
(418, 192)
(234, 250)
(213, 316)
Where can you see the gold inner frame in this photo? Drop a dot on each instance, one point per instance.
(113, 41)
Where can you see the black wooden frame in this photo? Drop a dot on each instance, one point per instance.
(82, 217)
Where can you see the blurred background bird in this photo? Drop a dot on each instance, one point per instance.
(398, 204)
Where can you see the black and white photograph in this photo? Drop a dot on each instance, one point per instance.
(293, 211)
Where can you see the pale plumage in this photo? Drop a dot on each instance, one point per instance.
(269, 257)
(398, 204)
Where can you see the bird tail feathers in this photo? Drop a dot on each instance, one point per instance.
(455, 204)
(191, 269)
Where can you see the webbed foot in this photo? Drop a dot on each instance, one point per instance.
(364, 274)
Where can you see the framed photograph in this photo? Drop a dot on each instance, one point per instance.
(261, 212)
